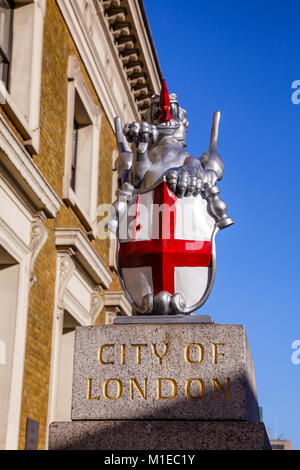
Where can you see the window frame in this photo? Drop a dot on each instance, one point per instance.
(4, 54)
(77, 85)
(74, 155)
(28, 126)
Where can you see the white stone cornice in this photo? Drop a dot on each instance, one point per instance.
(127, 26)
(74, 294)
(114, 59)
(117, 300)
(103, 60)
(20, 165)
(115, 62)
(76, 290)
(66, 238)
(83, 316)
(94, 65)
(145, 43)
(14, 238)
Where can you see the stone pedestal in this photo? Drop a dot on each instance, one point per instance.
(161, 386)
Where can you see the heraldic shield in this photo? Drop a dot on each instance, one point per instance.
(166, 253)
(168, 211)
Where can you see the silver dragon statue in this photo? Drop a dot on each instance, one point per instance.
(176, 276)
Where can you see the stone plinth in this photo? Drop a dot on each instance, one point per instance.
(162, 386)
(163, 372)
(158, 435)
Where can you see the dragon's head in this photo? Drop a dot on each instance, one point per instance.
(168, 117)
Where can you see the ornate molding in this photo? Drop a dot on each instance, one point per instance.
(85, 254)
(108, 60)
(96, 304)
(116, 302)
(110, 315)
(81, 276)
(66, 270)
(128, 27)
(38, 237)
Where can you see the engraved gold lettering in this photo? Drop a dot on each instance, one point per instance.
(100, 351)
(216, 353)
(138, 351)
(89, 391)
(188, 385)
(133, 382)
(159, 392)
(187, 353)
(156, 353)
(119, 389)
(226, 393)
(123, 353)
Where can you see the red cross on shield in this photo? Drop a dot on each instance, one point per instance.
(169, 246)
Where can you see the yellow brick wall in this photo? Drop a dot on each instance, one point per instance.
(58, 46)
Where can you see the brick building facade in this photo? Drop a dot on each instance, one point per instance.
(67, 68)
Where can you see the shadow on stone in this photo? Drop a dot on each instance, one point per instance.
(165, 434)
(158, 435)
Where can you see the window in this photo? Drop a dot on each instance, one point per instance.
(82, 150)
(74, 155)
(6, 22)
(81, 153)
(21, 44)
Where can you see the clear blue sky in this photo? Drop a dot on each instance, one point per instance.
(241, 58)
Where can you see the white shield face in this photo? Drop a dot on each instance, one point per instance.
(166, 244)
